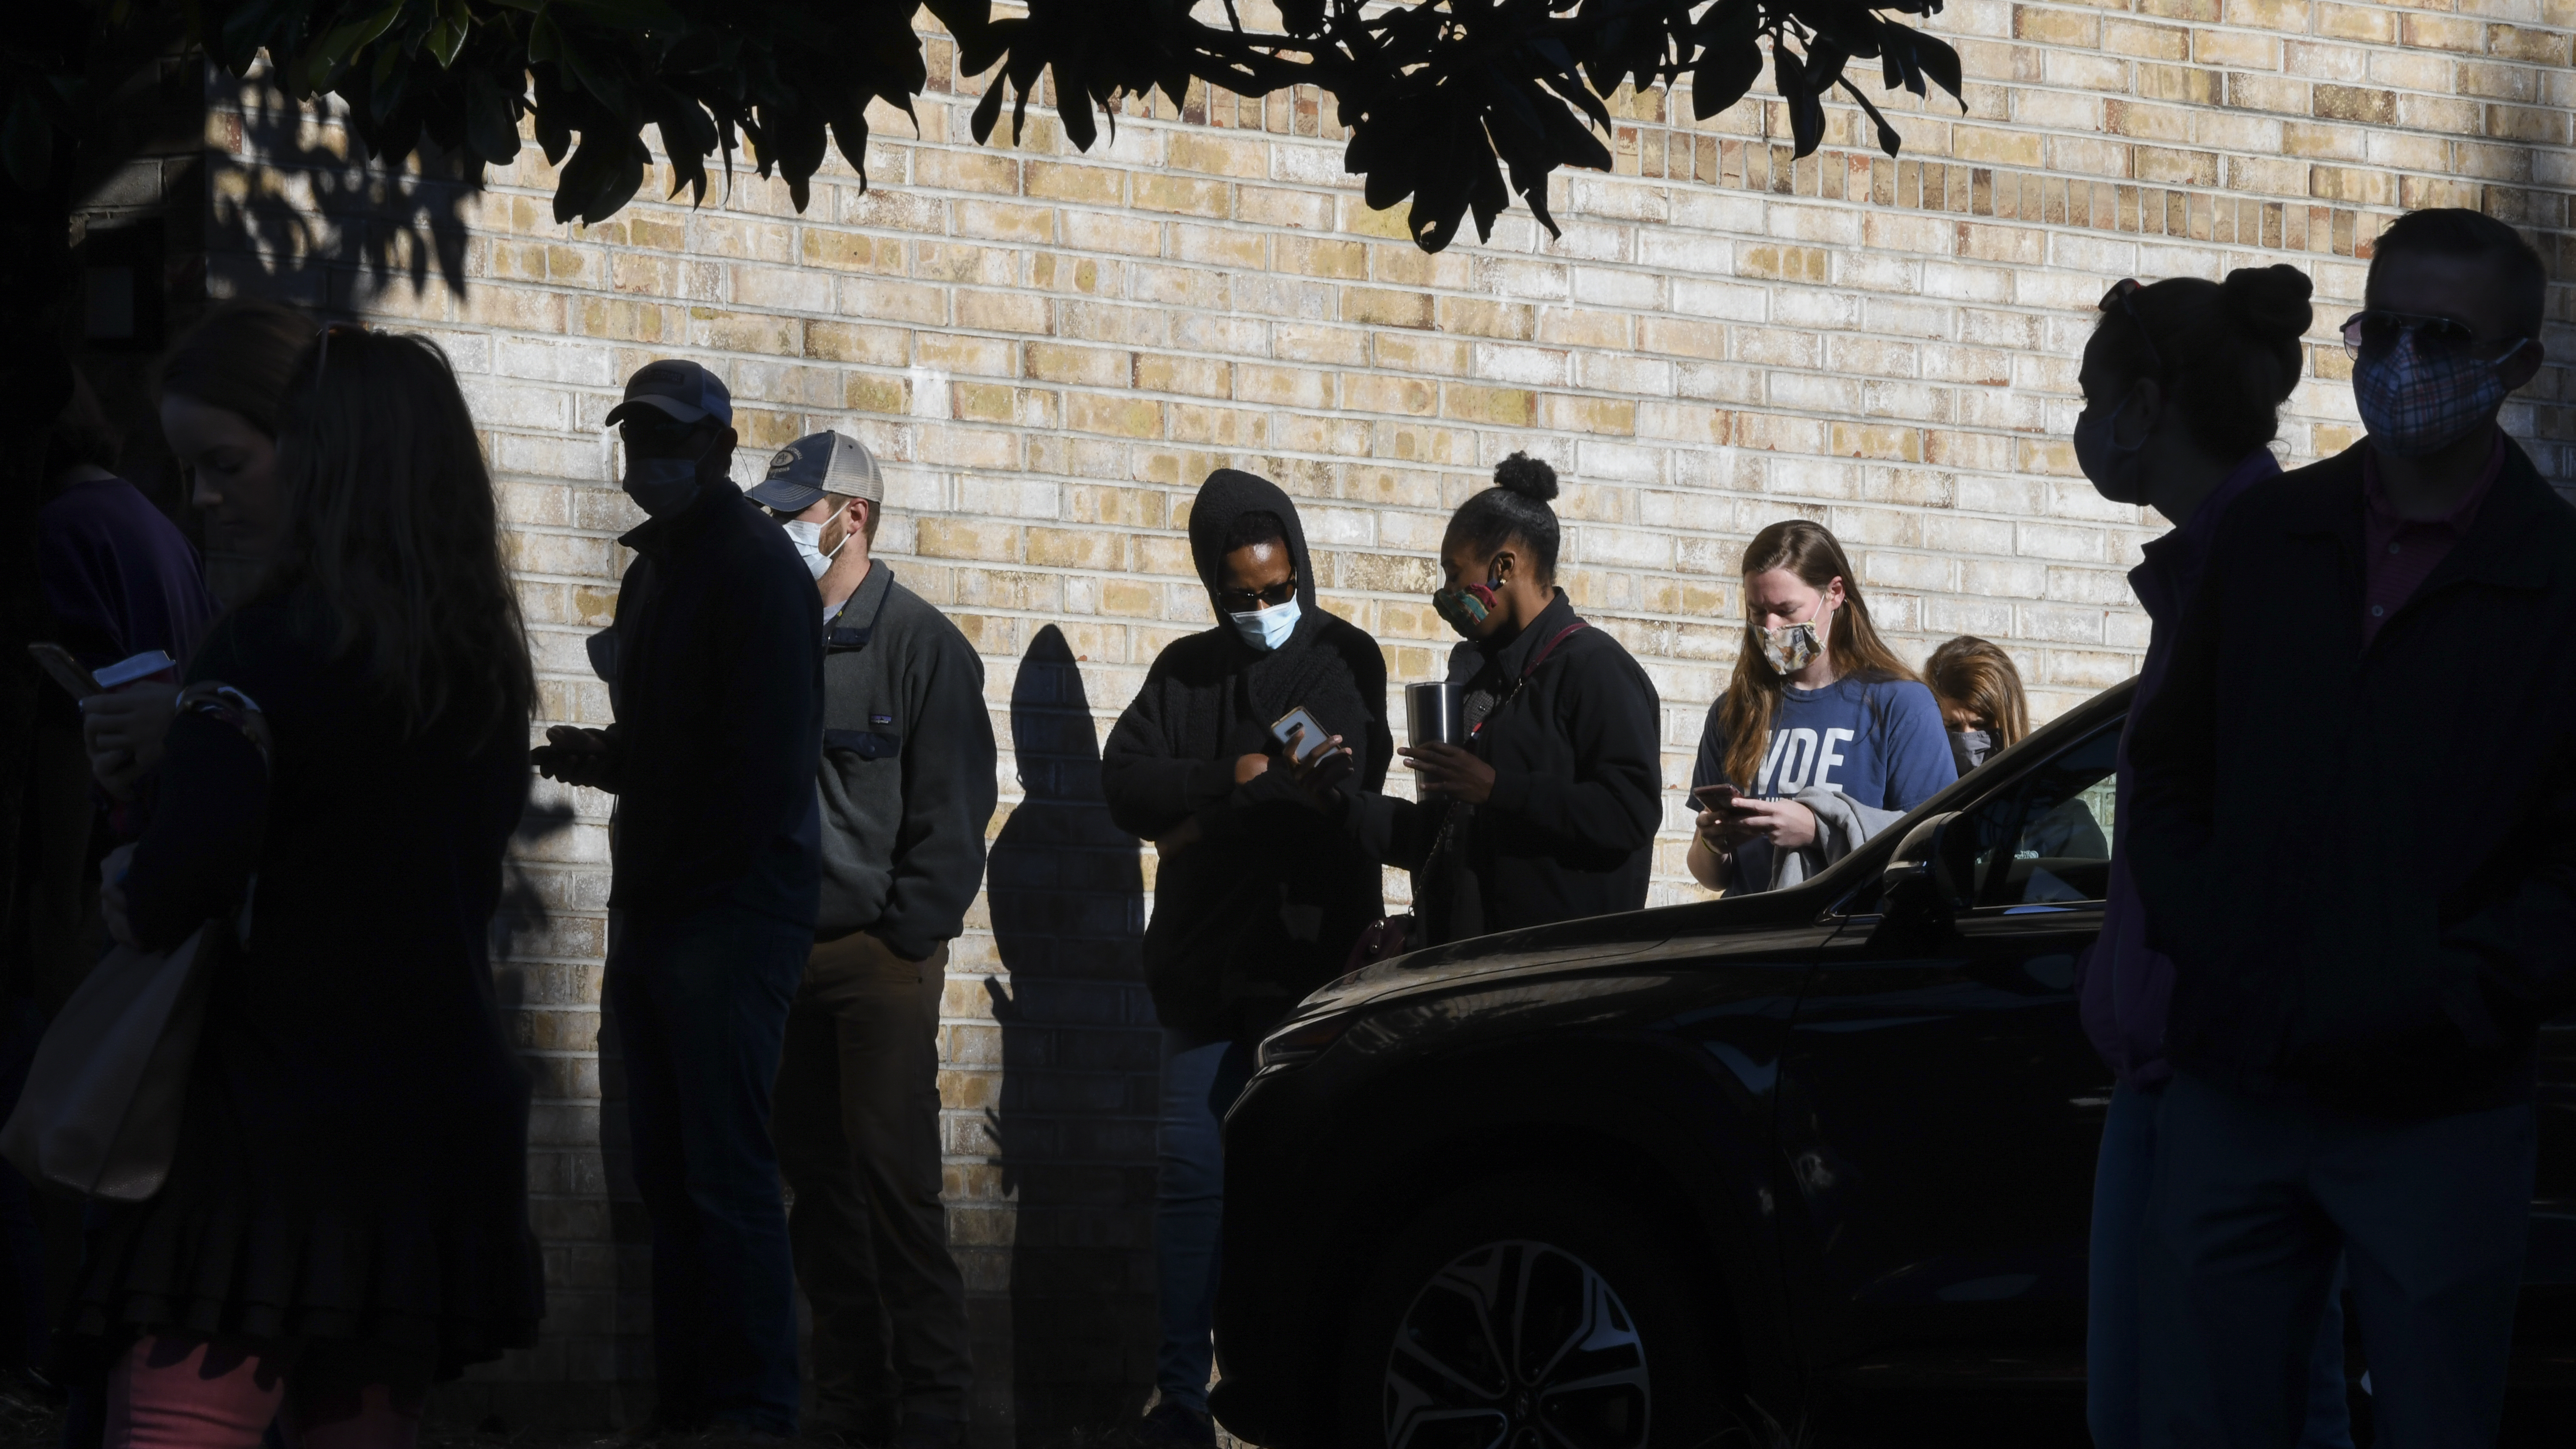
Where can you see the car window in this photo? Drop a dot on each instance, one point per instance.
(2048, 838)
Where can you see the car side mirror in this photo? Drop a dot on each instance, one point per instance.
(1919, 891)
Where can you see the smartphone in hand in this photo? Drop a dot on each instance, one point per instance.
(64, 670)
(1317, 738)
(1720, 798)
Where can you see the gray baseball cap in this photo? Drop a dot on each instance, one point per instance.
(805, 471)
(679, 388)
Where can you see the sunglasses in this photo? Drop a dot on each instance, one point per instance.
(1244, 601)
(2377, 331)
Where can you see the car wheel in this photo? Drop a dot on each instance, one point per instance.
(1527, 1312)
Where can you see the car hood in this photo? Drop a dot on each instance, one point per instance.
(1552, 949)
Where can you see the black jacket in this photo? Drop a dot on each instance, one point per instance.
(719, 699)
(2345, 917)
(1264, 908)
(352, 1155)
(1569, 830)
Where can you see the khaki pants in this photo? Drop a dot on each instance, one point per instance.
(857, 1125)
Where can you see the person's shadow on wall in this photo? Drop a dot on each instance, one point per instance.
(1075, 1125)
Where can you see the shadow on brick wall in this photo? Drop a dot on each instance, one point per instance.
(323, 225)
(1074, 1132)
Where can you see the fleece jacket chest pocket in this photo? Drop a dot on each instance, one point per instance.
(881, 741)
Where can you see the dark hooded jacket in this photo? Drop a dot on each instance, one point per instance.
(1571, 726)
(1264, 906)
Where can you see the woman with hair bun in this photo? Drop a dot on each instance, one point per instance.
(2183, 383)
(1548, 811)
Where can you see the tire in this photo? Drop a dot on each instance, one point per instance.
(1530, 1312)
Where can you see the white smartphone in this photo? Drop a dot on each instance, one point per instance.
(1287, 725)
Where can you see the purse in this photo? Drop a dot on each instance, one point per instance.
(100, 1112)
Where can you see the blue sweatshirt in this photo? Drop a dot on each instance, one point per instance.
(1879, 741)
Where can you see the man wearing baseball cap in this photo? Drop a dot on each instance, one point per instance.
(716, 683)
(907, 788)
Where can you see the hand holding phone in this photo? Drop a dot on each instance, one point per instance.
(1720, 798)
(574, 755)
(1301, 733)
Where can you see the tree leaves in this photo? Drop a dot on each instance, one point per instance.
(1455, 105)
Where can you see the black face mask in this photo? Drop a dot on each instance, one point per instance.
(662, 465)
(1970, 748)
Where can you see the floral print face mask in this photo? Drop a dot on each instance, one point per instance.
(1793, 647)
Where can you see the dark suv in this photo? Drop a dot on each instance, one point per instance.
(1825, 1153)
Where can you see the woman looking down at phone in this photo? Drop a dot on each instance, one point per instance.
(346, 1215)
(1547, 811)
(1822, 737)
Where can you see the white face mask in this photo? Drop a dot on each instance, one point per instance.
(808, 538)
(1267, 629)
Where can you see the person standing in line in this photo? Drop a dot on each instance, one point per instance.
(1824, 733)
(119, 578)
(2187, 441)
(222, 386)
(1257, 898)
(1982, 705)
(713, 758)
(2353, 1023)
(908, 788)
(346, 1214)
(1547, 811)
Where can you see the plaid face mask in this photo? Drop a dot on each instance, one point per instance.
(2415, 401)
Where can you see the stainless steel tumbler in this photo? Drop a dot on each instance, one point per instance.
(1435, 714)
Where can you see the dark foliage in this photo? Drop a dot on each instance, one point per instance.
(1458, 104)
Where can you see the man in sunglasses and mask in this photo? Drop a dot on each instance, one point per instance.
(907, 788)
(2363, 951)
(1257, 898)
(716, 678)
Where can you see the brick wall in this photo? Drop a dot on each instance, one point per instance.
(1050, 350)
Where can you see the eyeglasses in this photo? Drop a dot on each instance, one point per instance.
(1244, 601)
(2378, 330)
(2121, 291)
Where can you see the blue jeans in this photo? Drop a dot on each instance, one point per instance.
(2121, 1179)
(2255, 1198)
(700, 1002)
(1201, 1079)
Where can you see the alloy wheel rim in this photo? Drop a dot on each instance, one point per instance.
(1517, 1345)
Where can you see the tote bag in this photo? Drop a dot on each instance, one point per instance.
(100, 1113)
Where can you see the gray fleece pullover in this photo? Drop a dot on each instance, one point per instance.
(908, 778)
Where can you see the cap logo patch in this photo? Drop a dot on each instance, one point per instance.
(784, 459)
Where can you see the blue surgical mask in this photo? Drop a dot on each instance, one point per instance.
(1267, 629)
(661, 486)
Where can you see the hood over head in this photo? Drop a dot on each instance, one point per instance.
(1227, 495)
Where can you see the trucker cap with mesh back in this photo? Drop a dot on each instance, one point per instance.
(805, 471)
